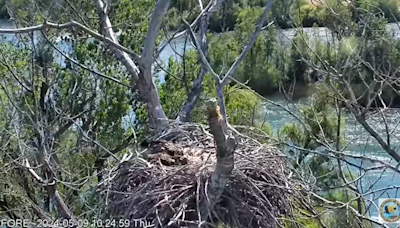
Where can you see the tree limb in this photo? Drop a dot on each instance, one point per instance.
(141, 76)
(360, 117)
(225, 147)
(109, 34)
(230, 74)
(6, 208)
(179, 34)
(71, 24)
(201, 53)
(232, 70)
(194, 94)
(154, 28)
(83, 66)
(59, 203)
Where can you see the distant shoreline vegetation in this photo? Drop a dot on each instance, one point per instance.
(287, 14)
(3, 12)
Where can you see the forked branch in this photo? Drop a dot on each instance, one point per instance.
(229, 76)
(71, 24)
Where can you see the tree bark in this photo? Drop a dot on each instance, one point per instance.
(229, 76)
(149, 94)
(360, 117)
(193, 97)
(50, 184)
(141, 75)
(225, 147)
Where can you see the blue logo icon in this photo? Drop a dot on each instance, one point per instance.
(389, 210)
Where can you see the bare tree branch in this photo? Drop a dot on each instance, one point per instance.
(202, 47)
(225, 147)
(209, 8)
(109, 33)
(201, 53)
(232, 70)
(85, 67)
(71, 24)
(141, 76)
(201, 5)
(360, 117)
(154, 28)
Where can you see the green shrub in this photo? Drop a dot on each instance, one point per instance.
(243, 107)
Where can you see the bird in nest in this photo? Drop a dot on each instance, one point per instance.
(167, 152)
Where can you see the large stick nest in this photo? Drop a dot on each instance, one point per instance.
(169, 188)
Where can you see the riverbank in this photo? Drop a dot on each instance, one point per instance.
(281, 14)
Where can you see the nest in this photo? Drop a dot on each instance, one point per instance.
(167, 190)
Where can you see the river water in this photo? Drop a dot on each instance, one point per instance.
(359, 142)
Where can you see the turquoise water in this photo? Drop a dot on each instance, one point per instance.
(360, 144)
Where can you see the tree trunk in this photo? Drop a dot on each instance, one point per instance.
(148, 92)
(225, 160)
(193, 97)
(141, 77)
(50, 183)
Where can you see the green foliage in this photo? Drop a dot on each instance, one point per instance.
(264, 66)
(349, 47)
(286, 13)
(390, 9)
(136, 13)
(246, 20)
(77, 105)
(344, 217)
(338, 17)
(320, 122)
(90, 107)
(222, 52)
(319, 118)
(328, 182)
(242, 105)
(281, 13)
(304, 13)
(178, 81)
(298, 52)
(385, 8)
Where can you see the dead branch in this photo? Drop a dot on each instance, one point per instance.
(225, 147)
(71, 24)
(155, 24)
(230, 74)
(141, 76)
